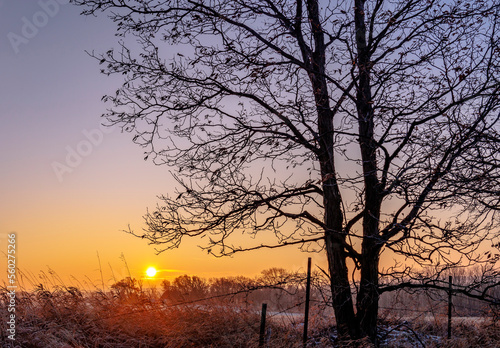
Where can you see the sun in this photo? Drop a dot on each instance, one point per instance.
(151, 272)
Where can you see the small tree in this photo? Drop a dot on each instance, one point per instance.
(185, 288)
(357, 127)
(127, 289)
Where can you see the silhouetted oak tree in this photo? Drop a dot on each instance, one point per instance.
(358, 127)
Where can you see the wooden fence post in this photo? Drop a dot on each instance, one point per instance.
(449, 305)
(308, 293)
(262, 325)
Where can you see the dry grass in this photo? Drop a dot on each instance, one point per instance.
(65, 317)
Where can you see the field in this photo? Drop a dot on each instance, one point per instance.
(195, 312)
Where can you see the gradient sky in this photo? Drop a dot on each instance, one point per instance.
(50, 94)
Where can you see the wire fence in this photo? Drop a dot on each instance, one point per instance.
(285, 295)
(286, 302)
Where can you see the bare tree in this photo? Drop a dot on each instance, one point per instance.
(356, 127)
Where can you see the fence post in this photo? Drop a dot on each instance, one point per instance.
(449, 305)
(262, 325)
(308, 293)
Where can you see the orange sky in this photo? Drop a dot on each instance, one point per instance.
(50, 94)
(62, 225)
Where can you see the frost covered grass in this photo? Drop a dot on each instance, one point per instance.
(432, 334)
(128, 315)
(68, 317)
(71, 318)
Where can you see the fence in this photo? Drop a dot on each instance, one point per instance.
(288, 301)
(295, 302)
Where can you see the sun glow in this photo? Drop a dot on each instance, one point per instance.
(151, 272)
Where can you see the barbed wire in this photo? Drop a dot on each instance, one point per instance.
(292, 285)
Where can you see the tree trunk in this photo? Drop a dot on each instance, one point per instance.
(367, 299)
(347, 325)
(342, 302)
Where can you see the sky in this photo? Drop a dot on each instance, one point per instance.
(69, 187)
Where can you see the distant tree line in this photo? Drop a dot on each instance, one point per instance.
(284, 291)
(278, 287)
